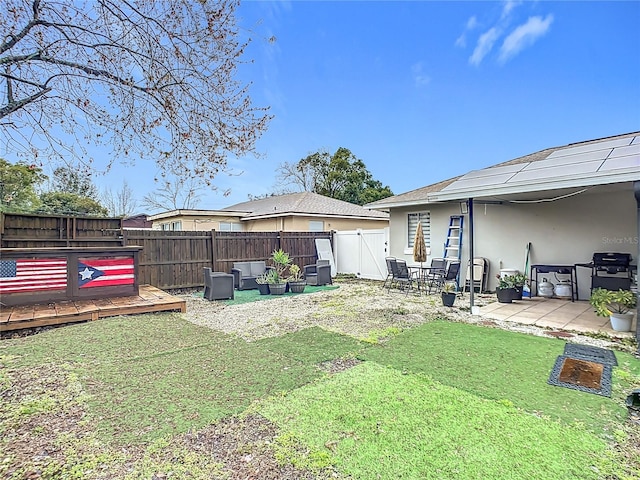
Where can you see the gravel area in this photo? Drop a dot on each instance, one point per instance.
(357, 308)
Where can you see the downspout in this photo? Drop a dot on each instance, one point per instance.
(636, 192)
(471, 279)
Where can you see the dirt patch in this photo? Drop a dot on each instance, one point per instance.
(338, 365)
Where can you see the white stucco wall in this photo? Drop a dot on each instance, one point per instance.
(566, 231)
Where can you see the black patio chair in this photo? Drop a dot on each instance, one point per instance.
(442, 277)
(403, 278)
(390, 267)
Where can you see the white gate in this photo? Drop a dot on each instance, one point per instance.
(362, 252)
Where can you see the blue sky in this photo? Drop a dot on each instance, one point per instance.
(423, 91)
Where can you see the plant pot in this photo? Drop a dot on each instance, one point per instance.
(517, 293)
(621, 322)
(297, 287)
(505, 295)
(448, 299)
(263, 288)
(277, 288)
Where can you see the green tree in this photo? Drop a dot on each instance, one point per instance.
(342, 176)
(18, 186)
(146, 79)
(63, 203)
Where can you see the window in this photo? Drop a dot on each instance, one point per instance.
(176, 226)
(165, 226)
(412, 223)
(230, 227)
(316, 226)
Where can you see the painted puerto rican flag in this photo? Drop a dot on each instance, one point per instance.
(33, 275)
(105, 272)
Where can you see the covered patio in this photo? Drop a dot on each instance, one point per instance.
(553, 313)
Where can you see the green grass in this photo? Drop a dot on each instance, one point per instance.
(380, 423)
(155, 375)
(443, 400)
(501, 365)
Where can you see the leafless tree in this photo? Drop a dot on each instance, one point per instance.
(295, 177)
(147, 79)
(176, 193)
(120, 203)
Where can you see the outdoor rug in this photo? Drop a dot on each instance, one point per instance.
(247, 296)
(587, 369)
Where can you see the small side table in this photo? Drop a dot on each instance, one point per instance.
(561, 269)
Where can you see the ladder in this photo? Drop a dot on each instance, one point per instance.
(453, 245)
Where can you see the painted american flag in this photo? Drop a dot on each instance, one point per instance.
(105, 272)
(33, 275)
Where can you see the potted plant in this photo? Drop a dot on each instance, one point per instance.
(263, 283)
(616, 305)
(295, 279)
(277, 285)
(518, 280)
(505, 289)
(449, 294)
(277, 279)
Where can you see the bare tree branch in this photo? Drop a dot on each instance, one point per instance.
(150, 80)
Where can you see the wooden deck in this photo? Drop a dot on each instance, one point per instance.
(149, 299)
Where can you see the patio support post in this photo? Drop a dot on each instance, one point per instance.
(636, 192)
(471, 279)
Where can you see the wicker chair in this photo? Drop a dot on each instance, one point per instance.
(218, 285)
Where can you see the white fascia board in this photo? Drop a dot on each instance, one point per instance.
(604, 178)
(316, 215)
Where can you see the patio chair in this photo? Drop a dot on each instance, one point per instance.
(442, 277)
(437, 267)
(389, 279)
(218, 285)
(318, 273)
(403, 277)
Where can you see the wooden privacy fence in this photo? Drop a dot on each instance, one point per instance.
(169, 259)
(175, 259)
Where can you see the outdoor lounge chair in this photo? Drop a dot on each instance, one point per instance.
(318, 273)
(245, 274)
(218, 285)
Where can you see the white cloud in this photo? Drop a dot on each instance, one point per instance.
(524, 36)
(461, 41)
(508, 6)
(484, 46)
(419, 77)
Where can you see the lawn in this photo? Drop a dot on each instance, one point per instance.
(137, 396)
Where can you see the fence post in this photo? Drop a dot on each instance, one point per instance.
(214, 258)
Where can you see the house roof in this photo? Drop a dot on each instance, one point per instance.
(195, 213)
(601, 161)
(303, 204)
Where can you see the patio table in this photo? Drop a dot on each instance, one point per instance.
(424, 272)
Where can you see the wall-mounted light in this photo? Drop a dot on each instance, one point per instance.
(464, 208)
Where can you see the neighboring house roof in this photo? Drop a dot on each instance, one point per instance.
(602, 161)
(137, 221)
(195, 213)
(303, 204)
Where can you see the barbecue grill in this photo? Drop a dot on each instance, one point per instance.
(611, 271)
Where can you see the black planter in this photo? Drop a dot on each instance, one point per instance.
(277, 288)
(297, 287)
(517, 293)
(448, 299)
(263, 288)
(505, 295)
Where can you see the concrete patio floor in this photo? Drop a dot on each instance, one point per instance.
(553, 313)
